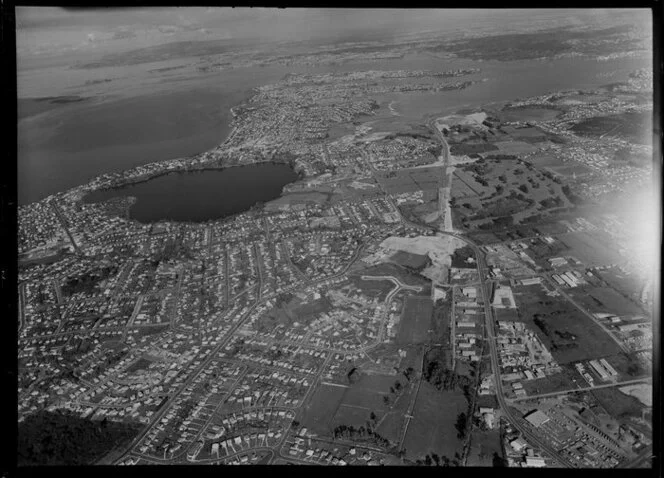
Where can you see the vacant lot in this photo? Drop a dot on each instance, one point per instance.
(564, 380)
(605, 299)
(432, 428)
(568, 334)
(321, 408)
(415, 321)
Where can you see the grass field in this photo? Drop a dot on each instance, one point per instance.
(321, 408)
(432, 428)
(362, 398)
(392, 421)
(415, 321)
(617, 403)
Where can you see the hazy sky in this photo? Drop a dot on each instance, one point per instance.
(48, 31)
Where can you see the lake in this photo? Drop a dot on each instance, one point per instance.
(201, 196)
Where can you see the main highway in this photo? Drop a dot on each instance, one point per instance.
(486, 288)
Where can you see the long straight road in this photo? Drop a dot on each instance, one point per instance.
(490, 334)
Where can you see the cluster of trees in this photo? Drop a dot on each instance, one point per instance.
(408, 373)
(88, 281)
(435, 460)
(443, 378)
(480, 180)
(394, 390)
(551, 202)
(574, 199)
(460, 256)
(173, 249)
(62, 438)
(537, 318)
(502, 156)
(361, 433)
(460, 425)
(504, 221)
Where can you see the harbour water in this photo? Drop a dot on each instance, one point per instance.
(69, 145)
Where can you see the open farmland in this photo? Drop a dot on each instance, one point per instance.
(432, 429)
(415, 321)
(567, 333)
